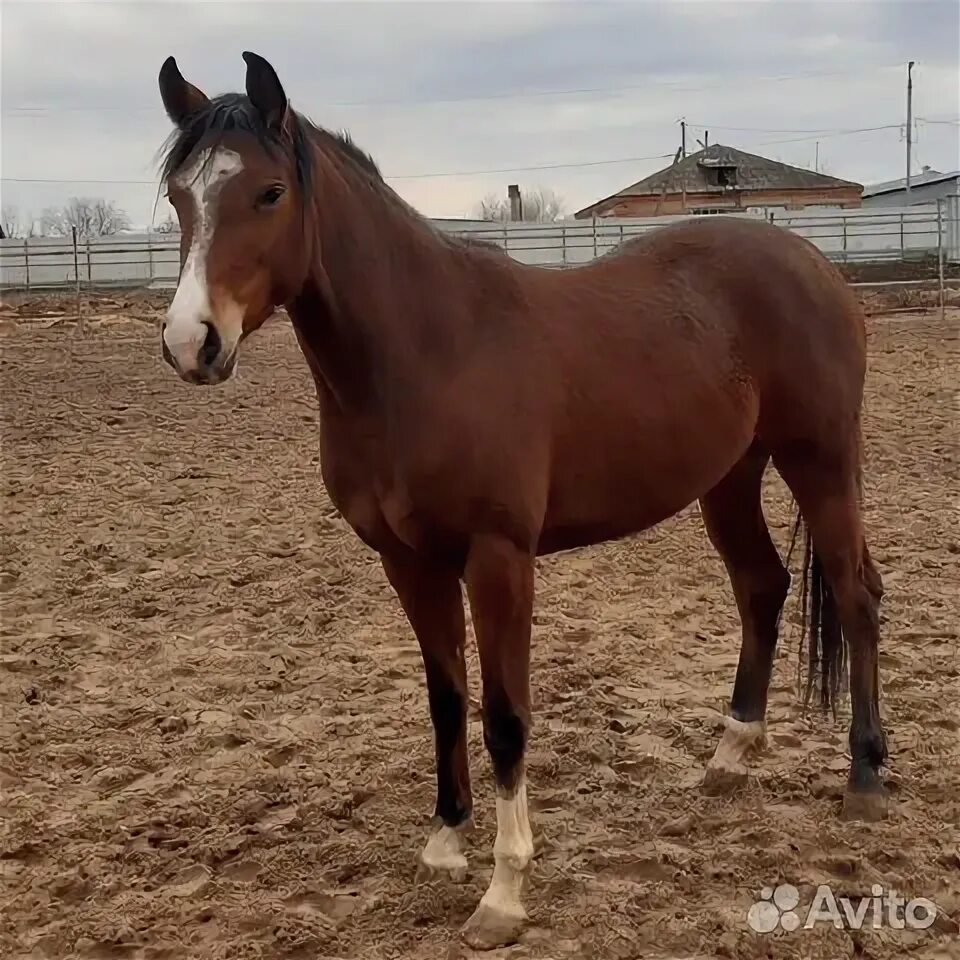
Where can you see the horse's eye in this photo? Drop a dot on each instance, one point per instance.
(270, 196)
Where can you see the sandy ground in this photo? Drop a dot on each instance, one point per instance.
(214, 739)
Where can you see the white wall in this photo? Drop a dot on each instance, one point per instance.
(919, 193)
(891, 233)
(136, 259)
(127, 259)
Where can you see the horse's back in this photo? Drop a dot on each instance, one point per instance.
(786, 312)
(676, 354)
(799, 326)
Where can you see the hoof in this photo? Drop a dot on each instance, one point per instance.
(868, 805)
(442, 857)
(427, 873)
(720, 779)
(726, 771)
(489, 928)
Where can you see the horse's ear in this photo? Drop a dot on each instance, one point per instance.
(265, 91)
(181, 99)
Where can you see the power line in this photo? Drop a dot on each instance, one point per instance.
(516, 169)
(817, 130)
(679, 86)
(836, 133)
(821, 131)
(819, 134)
(401, 176)
(480, 172)
(539, 166)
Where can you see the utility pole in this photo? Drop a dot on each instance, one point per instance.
(683, 139)
(909, 122)
(516, 202)
(816, 162)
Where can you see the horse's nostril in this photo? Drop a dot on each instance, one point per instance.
(211, 346)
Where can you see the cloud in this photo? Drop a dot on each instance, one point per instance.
(433, 87)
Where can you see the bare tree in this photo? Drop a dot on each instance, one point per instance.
(91, 218)
(12, 225)
(541, 205)
(167, 225)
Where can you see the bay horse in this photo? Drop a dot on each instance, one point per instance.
(477, 412)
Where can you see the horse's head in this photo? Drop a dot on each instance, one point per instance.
(235, 172)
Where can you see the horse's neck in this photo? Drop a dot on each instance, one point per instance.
(371, 296)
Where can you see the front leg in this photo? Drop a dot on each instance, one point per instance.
(432, 600)
(499, 579)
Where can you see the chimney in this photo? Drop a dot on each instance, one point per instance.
(516, 202)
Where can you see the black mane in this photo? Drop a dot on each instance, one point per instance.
(343, 142)
(234, 112)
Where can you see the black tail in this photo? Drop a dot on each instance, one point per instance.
(826, 666)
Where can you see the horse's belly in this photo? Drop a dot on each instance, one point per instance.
(583, 534)
(608, 517)
(612, 487)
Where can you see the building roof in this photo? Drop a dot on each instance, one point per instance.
(894, 186)
(752, 173)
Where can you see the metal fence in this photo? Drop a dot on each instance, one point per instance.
(848, 236)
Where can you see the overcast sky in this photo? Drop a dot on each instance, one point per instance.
(460, 87)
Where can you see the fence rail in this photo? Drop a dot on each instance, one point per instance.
(850, 237)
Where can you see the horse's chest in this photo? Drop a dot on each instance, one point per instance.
(366, 496)
(362, 512)
(349, 476)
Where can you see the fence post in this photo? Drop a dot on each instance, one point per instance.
(951, 251)
(901, 236)
(943, 293)
(563, 245)
(89, 266)
(150, 276)
(26, 261)
(76, 275)
(843, 219)
(594, 236)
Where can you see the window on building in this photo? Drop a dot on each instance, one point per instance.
(721, 176)
(726, 176)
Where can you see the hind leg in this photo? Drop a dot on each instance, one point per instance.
(733, 516)
(827, 491)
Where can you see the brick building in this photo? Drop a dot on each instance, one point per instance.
(723, 179)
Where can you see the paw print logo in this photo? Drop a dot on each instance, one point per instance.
(775, 908)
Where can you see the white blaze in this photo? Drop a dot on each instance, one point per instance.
(191, 308)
